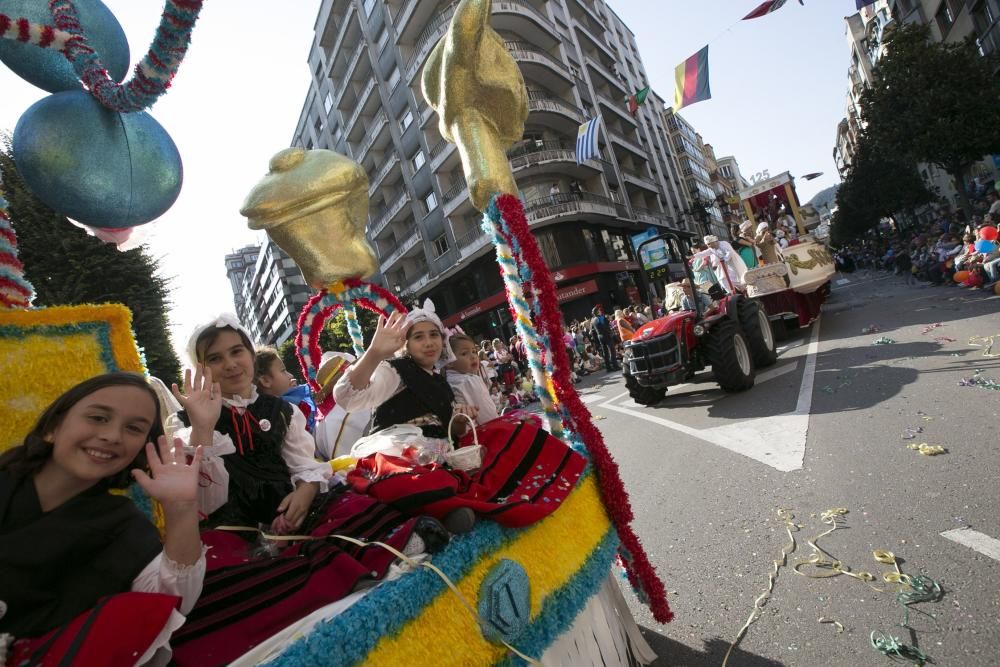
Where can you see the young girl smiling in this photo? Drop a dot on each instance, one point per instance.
(66, 542)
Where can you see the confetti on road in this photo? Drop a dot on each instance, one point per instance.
(910, 432)
(884, 340)
(870, 329)
(927, 449)
(931, 327)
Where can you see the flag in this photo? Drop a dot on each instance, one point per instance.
(586, 140)
(765, 8)
(635, 100)
(861, 4)
(691, 80)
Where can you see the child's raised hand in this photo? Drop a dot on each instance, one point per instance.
(390, 335)
(202, 398)
(174, 481)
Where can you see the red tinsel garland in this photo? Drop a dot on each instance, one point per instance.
(640, 571)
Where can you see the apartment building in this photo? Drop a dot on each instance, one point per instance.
(268, 291)
(727, 181)
(579, 61)
(692, 161)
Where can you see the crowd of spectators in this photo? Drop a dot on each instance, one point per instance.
(948, 249)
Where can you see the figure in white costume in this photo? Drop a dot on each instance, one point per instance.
(730, 264)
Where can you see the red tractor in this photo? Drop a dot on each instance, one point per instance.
(733, 336)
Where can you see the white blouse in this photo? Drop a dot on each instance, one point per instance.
(472, 390)
(297, 450)
(163, 575)
(385, 383)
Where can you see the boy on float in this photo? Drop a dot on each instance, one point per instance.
(68, 547)
(465, 379)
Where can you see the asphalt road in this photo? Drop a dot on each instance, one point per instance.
(823, 429)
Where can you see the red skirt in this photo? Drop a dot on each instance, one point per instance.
(115, 633)
(526, 474)
(245, 601)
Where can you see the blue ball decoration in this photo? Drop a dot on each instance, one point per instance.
(99, 167)
(48, 69)
(504, 602)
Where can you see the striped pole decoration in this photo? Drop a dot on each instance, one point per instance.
(493, 223)
(36, 34)
(354, 328)
(15, 290)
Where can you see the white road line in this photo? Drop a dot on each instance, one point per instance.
(873, 280)
(973, 539)
(776, 372)
(591, 398)
(778, 441)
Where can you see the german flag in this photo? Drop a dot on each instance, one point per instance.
(691, 80)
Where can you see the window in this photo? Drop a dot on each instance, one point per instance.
(328, 102)
(406, 120)
(440, 245)
(944, 17)
(418, 160)
(431, 201)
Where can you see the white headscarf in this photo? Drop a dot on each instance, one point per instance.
(427, 313)
(711, 238)
(762, 226)
(223, 320)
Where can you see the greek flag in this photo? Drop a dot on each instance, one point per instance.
(586, 140)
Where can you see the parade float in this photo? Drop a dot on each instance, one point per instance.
(545, 593)
(795, 290)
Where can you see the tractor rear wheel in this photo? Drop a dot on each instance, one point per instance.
(760, 335)
(729, 354)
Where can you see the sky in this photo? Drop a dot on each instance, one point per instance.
(778, 86)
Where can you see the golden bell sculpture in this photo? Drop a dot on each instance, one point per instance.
(314, 205)
(476, 88)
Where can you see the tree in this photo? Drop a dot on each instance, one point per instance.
(876, 187)
(69, 267)
(334, 338)
(934, 103)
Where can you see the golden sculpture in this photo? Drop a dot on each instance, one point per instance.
(476, 88)
(314, 205)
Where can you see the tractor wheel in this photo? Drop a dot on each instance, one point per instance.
(644, 395)
(728, 351)
(760, 335)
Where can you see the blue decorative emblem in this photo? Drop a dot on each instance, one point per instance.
(505, 602)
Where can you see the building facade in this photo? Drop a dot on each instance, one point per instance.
(949, 21)
(695, 164)
(268, 291)
(727, 181)
(578, 61)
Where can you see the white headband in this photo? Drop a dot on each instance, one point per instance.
(223, 320)
(427, 313)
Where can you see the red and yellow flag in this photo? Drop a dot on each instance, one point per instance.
(691, 80)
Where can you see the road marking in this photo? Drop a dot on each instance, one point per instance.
(591, 398)
(973, 539)
(843, 281)
(872, 280)
(778, 441)
(776, 372)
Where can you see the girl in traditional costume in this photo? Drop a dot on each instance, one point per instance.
(276, 485)
(71, 552)
(465, 380)
(398, 377)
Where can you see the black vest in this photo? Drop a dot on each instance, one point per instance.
(423, 394)
(259, 478)
(56, 565)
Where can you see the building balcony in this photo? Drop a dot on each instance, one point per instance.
(472, 241)
(444, 262)
(594, 39)
(359, 52)
(650, 216)
(538, 64)
(442, 150)
(628, 144)
(454, 196)
(344, 26)
(379, 124)
(641, 181)
(417, 283)
(362, 98)
(397, 252)
(382, 172)
(543, 102)
(405, 14)
(619, 108)
(379, 220)
(584, 206)
(591, 11)
(345, 81)
(606, 74)
(503, 10)
(542, 154)
(426, 114)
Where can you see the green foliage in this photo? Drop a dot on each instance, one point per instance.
(932, 102)
(876, 187)
(69, 267)
(334, 338)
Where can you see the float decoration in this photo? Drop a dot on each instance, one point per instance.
(15, 290)
(152, 75)
(475, 86)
